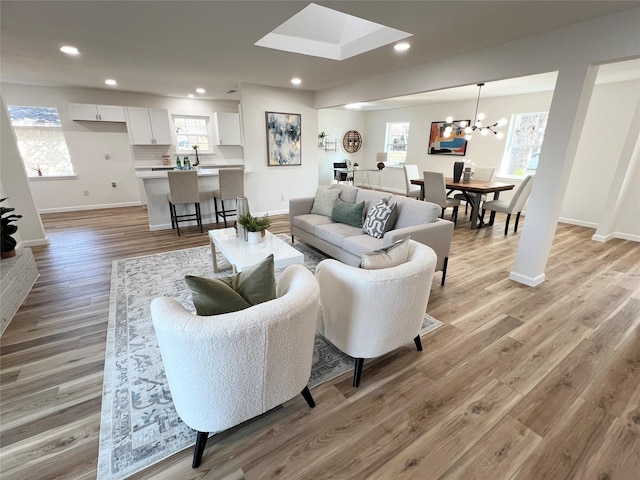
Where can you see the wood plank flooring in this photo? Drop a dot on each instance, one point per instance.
(520, 383)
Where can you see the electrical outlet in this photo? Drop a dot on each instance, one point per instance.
(85, 193)
(114, 185)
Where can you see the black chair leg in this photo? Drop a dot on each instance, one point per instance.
(506, 225)
(199, 216)
(444, 269)
(175, 215)
(201, 441)
(307, 396)
(224, 213)
(515, 229)
(418, 343)
(455, 216)
(215, 208)
(173, 225)
(358, 371)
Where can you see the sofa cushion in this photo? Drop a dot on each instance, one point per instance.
(215, 296)
(309, 221)
(359, 244)
(414, 212)
(335, 233)
(388, 257)
(348, 193)
(380, 218)
(349, 213)
(324, 200)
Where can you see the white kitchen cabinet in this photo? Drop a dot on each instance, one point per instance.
(227, 128)
(148, 126)
(96, 113)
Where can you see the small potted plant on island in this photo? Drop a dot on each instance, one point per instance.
(7, 242)
(255, 226)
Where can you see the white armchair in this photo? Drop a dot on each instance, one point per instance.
(226, 369)
(367, 313)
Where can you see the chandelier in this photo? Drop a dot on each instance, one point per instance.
(458, 127)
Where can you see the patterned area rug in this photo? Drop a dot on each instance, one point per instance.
(139, 425)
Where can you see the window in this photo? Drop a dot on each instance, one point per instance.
(396, 140)
(523, 145)
(192, 131)
(41, 141)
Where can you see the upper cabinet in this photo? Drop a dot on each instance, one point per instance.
(148, 126)
(96, 113)
(227, 128)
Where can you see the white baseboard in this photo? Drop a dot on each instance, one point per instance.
(34, 243)
(89, 207)
(622, 236)
(529, 281)
(580, 223)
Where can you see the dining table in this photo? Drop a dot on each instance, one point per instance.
(472, 186)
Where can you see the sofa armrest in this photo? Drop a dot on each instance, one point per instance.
(299, 206)
(437, 235)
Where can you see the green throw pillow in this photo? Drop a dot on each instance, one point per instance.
(348, 213)
(215, 296)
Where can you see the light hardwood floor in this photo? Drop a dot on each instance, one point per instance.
(520, 383)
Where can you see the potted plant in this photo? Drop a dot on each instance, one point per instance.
(255, 226)
(7, 242)
(356, 166)
(321, 136)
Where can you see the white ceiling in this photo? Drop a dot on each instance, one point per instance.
(171, 47)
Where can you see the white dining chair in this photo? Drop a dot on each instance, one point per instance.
(435, 191)
(509, 207)
(411, 172)
(482, 174)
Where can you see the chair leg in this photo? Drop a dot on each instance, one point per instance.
(506, 225)
(358, 371)
(418, 343)
(199, 216)
(307, 396)
(173, 225)
(515, 229)
(175, 215)
(201, 441)
(215, 208)
(224, 213)
(455, 216)
(444, 269)
(442, 213)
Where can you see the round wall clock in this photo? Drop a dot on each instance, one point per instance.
(352, 141)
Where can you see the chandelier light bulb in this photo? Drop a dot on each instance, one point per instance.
(499, 135)
(481, 116)
(463, 123)
(467, 137)
(484, 131)
(449, 120)
(468, 130)
(502, 122)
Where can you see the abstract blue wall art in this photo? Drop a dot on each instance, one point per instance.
(284, 135)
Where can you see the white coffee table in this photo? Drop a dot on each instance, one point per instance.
(242, 254)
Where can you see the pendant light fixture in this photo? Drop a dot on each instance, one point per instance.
(458, 127)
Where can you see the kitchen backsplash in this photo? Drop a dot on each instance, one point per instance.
(144, 156)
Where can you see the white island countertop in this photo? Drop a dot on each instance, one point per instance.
(202, 172)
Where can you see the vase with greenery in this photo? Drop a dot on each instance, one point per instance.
(197, 162)
(254, 225)
(7, 242)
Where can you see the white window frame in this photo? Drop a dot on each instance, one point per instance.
(395, 150)
(36, 169)
(533, 148)
(192, 141)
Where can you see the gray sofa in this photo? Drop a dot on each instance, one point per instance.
(347, 243)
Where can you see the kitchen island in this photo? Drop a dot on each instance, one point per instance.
(156, 188)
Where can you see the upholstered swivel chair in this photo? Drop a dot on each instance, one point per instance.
(227, 369)
(231, 182)
(183, 190)
(482, 174)
(435, 191)
(411, 172)
(509, 207)
(367, 313)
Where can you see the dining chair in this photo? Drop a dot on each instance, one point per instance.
(340, 173)
(231, 186)
(510, 206)
(183, 190)
(482, 174)
(435, 191)
(411, 172)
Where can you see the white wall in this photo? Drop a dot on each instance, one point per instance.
(88, 142)
(335, 123)
(270, 188)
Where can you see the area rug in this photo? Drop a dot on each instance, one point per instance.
(139, 425)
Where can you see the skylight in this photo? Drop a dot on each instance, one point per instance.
(322, 32)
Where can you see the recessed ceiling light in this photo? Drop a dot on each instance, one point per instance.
(191, 95)
(296, 81)
(200, 90)
(353, 106)
(69, 50)
(111, 82)
(401, 47)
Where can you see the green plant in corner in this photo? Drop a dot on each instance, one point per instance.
(7, 242)
(254, 224)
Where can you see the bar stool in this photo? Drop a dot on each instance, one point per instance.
(183, 190)
(231, 181)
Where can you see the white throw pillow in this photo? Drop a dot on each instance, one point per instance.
(388, 257)
(380, 218)
(324, 200)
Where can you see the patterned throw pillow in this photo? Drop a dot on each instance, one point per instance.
(388, 257)
(380, 218)
(324, 200)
